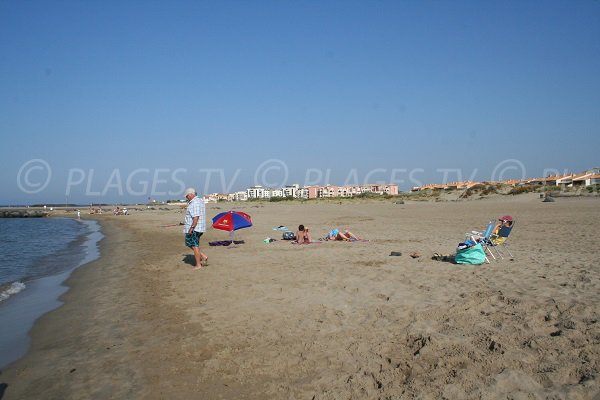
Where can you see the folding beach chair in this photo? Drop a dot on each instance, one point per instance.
(499, 240)
(484, 238)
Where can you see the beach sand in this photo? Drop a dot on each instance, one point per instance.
(331, 320)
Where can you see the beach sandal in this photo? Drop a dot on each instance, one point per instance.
(442, 257)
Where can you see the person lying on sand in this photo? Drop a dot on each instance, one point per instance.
(347, 236)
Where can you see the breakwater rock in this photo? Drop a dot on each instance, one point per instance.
(22, 214)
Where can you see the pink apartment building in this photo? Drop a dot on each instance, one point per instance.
(315, 192)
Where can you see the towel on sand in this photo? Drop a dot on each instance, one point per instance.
(225, 242)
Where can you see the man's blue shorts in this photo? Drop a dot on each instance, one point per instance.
(193, 239)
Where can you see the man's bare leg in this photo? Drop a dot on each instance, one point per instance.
(197, 256)
(351, 235)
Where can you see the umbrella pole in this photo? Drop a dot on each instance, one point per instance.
(231, 236)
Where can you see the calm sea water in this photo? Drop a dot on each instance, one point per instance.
(35, 247)
(36, 257)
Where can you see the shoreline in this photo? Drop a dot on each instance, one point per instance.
(332, 320)
(27, 299)
(95, 344)
(89, 253)
(53, 332)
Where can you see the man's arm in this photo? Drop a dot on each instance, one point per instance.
(194, 223)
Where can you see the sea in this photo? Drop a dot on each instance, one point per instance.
(36, 256)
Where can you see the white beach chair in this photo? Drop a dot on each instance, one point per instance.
(484, 238)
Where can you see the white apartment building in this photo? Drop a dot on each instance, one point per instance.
(240, 196)
(275, 192)
(301, 193)
(290, 190)
(312, 192)
(255, 192)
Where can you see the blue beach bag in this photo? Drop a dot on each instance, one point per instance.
(288, 236)
(474, 255)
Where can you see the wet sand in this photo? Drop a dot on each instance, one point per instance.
(330, 320)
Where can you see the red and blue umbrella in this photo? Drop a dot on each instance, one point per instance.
(232, 221)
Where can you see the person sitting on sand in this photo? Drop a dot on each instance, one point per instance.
(303, 236)
(347, 236)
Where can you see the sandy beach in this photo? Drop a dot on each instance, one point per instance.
(330, 320)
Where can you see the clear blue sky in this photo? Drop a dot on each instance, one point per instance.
(109, 94)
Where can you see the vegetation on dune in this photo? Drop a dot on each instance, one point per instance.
(593, 189)
(483, 190)
(276, 199)
(374, 196)
(522, 189)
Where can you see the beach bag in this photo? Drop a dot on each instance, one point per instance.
(288, 236)
(473, 255)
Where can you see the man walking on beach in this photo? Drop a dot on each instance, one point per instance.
(195, 225)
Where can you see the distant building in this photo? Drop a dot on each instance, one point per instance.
(591, 177)
(351, 190)
(210, 198)
(302, 193)
(593, 180)
(291, 190)
(255, 192)
(216, 197)
(275, 193)
(588, 178)
(240, 196)
(314, 192)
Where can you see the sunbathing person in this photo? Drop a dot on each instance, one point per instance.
(303, 236)
(347, 236)
(505, 222)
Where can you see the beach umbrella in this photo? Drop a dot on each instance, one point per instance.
(231, 221)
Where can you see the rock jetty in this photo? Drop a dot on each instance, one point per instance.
(22, 213)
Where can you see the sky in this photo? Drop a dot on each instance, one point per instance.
(121, 101)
